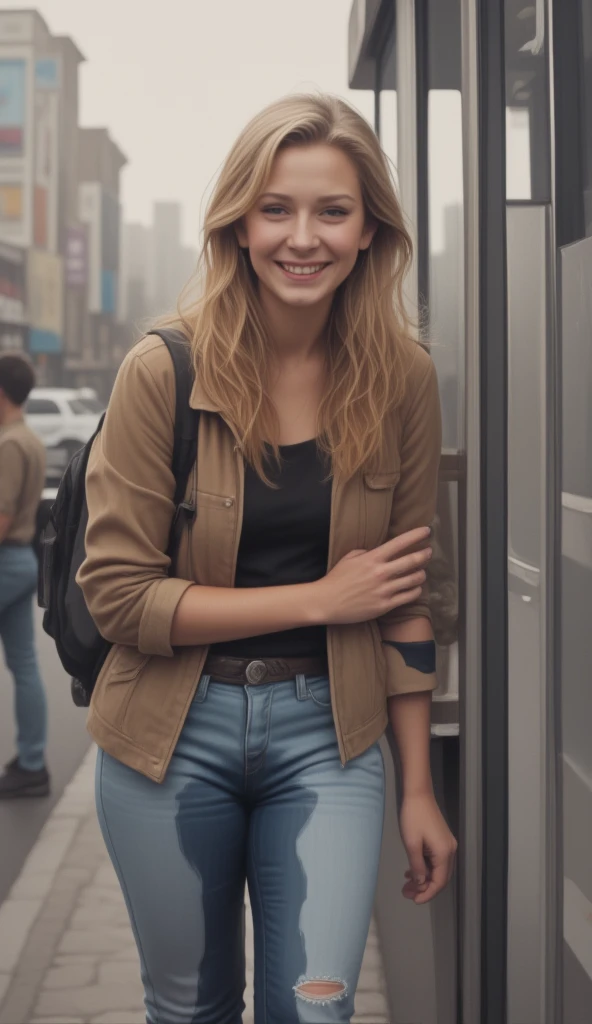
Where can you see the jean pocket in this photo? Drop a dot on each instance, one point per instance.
(202, 690)
(319, 690)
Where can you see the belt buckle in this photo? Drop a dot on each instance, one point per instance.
(255, 671)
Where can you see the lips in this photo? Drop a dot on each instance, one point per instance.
(302, 271)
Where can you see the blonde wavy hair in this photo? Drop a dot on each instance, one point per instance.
(367, 323)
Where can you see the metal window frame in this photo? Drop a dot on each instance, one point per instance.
(484, 708)
(566, 113)
(493, 343)
(407, 129)
(422, 141)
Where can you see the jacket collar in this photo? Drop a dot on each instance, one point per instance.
(199, 400)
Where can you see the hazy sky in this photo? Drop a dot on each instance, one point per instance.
(175, 80)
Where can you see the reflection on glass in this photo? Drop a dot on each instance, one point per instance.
(446, 257)
(518, 184)
(528, 136)
(445, 321)
(586, 38)
(387, 98)
(527, 327)
(576, 644)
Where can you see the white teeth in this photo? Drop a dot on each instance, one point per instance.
(295, 269)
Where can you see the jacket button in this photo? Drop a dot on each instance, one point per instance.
(228, 503)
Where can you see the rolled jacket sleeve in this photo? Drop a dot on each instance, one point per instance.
(414, 505)
(130, 488)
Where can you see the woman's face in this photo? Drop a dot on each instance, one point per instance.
(306, 229)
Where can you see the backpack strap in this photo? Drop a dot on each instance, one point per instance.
(186, 418)
(186, 429)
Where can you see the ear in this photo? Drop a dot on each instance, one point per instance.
(241, 234)
(370, 230)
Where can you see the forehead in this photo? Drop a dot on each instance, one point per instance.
(313, 170)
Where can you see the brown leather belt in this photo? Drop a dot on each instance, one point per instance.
(241, 671)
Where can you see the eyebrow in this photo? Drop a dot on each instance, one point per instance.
(322, 199)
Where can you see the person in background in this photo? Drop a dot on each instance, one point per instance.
(22, 476)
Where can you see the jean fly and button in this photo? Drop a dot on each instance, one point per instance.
(255, 792)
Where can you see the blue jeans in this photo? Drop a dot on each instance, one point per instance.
(255, 791)
(18, 584)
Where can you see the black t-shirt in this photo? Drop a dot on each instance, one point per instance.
(284, 540)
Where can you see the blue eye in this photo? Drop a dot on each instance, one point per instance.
(336, 210)
(273, 209)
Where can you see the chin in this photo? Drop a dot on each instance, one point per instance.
(289, 299)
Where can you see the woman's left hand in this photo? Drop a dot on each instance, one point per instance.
(430, 846)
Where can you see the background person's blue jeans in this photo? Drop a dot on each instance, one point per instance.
(18, 584)
(255, 790)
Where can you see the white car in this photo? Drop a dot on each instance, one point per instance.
(64, 419)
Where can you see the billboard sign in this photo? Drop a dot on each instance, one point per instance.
(47, 73)
(12, 285)
(45, 289)
(45, 190)
(11, 203)
(76, 257)
(90, 213)
(12, 107)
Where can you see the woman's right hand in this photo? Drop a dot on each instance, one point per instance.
(367, 584)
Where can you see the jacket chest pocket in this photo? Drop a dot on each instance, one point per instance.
(378, 496)
(213, 540)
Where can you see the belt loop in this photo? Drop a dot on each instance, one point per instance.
(202, 689)
(301, 691)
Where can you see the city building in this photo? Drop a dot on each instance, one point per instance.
(100, 165)
(155, 267)
(59, 212)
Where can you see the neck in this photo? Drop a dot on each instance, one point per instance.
(10, 414)
(296, 334)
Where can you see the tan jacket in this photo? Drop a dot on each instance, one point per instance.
(145, 688)
(22, 476)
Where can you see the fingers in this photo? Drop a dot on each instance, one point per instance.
(437, 877)
(416, 579)
(419, 868)
(405, 564)
(398, 545)
(402, 596)
(436, 882)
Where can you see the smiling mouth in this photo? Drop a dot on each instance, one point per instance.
(302, 271)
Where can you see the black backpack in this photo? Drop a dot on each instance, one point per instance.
(81, 648)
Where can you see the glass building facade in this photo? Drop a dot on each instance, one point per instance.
(485, 108)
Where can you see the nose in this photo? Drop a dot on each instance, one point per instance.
(303, 237)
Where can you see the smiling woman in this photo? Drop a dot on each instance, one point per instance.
(268, 663)
(305, 184)
(297, 227)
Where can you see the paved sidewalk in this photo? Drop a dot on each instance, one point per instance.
(67, 955)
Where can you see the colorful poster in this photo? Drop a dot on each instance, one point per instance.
(76, 257)
(46, 301)
(11, 204)
(47, 73)
(46, 171)
(45, 194)
(12, 286)
(90, 213)
(12, 107)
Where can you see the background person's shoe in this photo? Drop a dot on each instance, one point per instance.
(19, 782)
